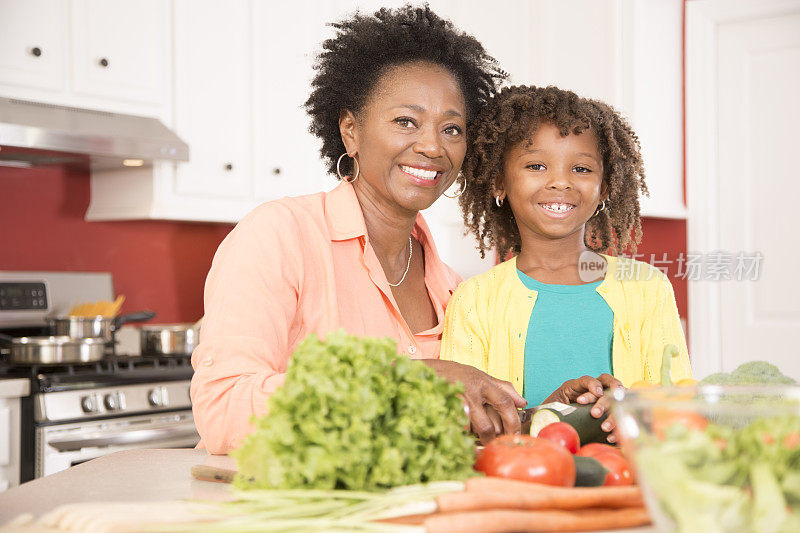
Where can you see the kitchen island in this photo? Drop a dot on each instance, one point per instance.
(11, 393)
(128, 476)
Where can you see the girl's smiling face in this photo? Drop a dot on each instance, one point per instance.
(554, 184)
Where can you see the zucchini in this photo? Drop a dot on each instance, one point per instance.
(670, 351)
(576, 415)
(589, 472)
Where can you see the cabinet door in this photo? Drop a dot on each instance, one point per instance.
(212, 88)
(121, 49)
(287, 160)
(33, 50)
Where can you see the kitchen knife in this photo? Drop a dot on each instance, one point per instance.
(212, 473)
(525, 418)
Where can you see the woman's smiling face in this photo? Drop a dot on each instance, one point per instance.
(554, 184)
(410, 137)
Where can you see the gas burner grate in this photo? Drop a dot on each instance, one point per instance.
(107, 366)
(111, 371)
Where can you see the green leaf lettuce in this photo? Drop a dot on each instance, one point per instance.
(353, 414)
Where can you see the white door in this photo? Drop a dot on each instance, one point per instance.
(743, 82)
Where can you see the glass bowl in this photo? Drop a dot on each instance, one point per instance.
(715, 458)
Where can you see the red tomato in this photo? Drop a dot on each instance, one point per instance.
(619, 471)
(663, 419)
(527, 458)
(593, 448)
(791, 440)
(563, 434)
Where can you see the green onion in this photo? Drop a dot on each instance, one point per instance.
(286, 511)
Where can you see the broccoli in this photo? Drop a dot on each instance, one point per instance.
(750, 373)
(720, 378)
(760, 372)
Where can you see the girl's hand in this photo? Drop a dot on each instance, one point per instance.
(491, 403)
(586, 390)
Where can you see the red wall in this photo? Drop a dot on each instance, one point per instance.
(666, 236)
(157, 265)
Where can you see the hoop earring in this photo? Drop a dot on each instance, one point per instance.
(463, 188)
(339, 172)
(599, 209)
(499, 201)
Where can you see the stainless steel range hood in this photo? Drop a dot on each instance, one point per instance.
(34, 134)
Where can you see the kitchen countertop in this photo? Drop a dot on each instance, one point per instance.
(128, 476)
(14, 387)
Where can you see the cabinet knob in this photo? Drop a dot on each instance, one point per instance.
(36, 51)
(103, 62)
(228, 166)
(276, 171)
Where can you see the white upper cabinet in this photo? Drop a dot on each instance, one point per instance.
(212, 88)
(33, 44)
(653, 98)
(231, 79)
(109, 55)
(627, 53)
(286, 38)
(213, 97)
(121, 49)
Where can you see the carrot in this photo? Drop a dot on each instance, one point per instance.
(536, 521)
(532, 500)
(408, 520)
(509, 493)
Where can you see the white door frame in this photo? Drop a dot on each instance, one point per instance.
(703, 19)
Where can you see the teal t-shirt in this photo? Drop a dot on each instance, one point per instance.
(569, 335)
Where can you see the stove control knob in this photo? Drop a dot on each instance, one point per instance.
(158, 397)
(89, 404)
(114, 401)
(110, 402)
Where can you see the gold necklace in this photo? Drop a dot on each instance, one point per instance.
(410, 253)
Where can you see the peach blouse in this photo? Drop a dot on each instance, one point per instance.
(292, 267)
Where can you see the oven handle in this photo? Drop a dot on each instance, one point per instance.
(138, 436)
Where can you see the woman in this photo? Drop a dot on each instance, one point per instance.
(391, 102)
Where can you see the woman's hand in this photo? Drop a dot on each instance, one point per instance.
(491, 403)
(586, 390)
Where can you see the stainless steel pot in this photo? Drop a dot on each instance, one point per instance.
(169, 339)
(82, 327)
(58, 350)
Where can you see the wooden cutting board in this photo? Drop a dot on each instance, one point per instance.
(217, 473)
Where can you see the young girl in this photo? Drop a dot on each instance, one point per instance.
(554, 179)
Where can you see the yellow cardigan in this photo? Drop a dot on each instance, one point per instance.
(487, 321)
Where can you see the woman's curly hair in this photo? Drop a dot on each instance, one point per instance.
(366, 46)
(512, 116)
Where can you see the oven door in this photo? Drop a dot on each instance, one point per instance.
(63, 445)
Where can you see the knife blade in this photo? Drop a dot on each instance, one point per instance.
(525, 418)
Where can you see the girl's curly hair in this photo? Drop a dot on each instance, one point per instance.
(512, 116)
(366, 46)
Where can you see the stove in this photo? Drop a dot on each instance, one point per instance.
(77, 412)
